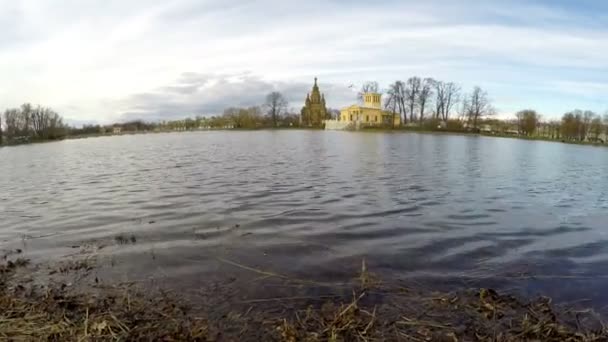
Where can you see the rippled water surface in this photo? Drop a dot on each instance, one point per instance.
(455, 209)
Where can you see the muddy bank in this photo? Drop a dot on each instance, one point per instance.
(75, 307)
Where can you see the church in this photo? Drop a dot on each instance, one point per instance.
(314, 111)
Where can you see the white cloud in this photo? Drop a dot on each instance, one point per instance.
(95, 60)
(206, 94)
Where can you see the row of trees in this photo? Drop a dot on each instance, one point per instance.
(422, 102)
(273, 112)
(31, 123)
(586, 125)
(419, 99)
(576, 125)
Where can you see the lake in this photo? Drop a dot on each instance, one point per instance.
(443, 210)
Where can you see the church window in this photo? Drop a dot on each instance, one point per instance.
(351, 117)
(367, 118)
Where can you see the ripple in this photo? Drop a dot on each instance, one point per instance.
(449, 206)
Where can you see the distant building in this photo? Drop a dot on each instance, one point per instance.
(116, 130)
(314, 111)
(370, 113)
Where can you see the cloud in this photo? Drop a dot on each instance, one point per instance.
(105, 60)
(209, 94)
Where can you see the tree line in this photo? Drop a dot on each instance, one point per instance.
(31, 123)
(423, 103)
(274, 112)
(425, 100)
(574, 126)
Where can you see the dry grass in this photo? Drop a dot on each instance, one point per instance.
(56, 316)
(371, 312)
(117, 314)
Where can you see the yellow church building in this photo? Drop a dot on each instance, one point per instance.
(370, 113)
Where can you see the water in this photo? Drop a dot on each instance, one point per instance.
(455, 210)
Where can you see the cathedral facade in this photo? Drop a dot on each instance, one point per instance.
(314, 110)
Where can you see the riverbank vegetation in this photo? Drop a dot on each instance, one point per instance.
(424, 104)
(368, 310)
(30, 123)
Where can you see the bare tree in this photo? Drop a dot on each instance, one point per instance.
(401, 99)
(392, 102)
(477, 106)
(447, 95)
(451, 98)
(397, 99)
(11, 120)
(439, 99)
(333, 113)
(368, 87)
(596, 128)
(426, 91)
(277, 106)
(26, 113)
(40, 121)
(586, 124)
(605, 124)
(412, 91)
(28, 122)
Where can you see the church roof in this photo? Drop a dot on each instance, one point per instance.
(355, 106)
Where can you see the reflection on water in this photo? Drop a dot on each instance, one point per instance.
(313, 204)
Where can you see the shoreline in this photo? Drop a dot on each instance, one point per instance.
(81, 308)
(367, 130)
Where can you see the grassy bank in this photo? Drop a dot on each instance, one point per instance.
(368, 311)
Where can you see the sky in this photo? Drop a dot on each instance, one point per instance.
(103, 61)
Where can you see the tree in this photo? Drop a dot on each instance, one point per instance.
(26, 112)
(367, 87)
(28, 122)
(333, 113)
(588, 117)
(412, 91)
(596, 128)
(426, 91)
(447, 95)
(396, 100)
(527, 121)
(555, 129)
(570, 127)
(452, 97)
(478, 106)
(276, 105)
(392, 102)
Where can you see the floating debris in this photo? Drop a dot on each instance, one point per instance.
(125, 240)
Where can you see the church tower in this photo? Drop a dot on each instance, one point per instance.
(372, 100)
(314, 111)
